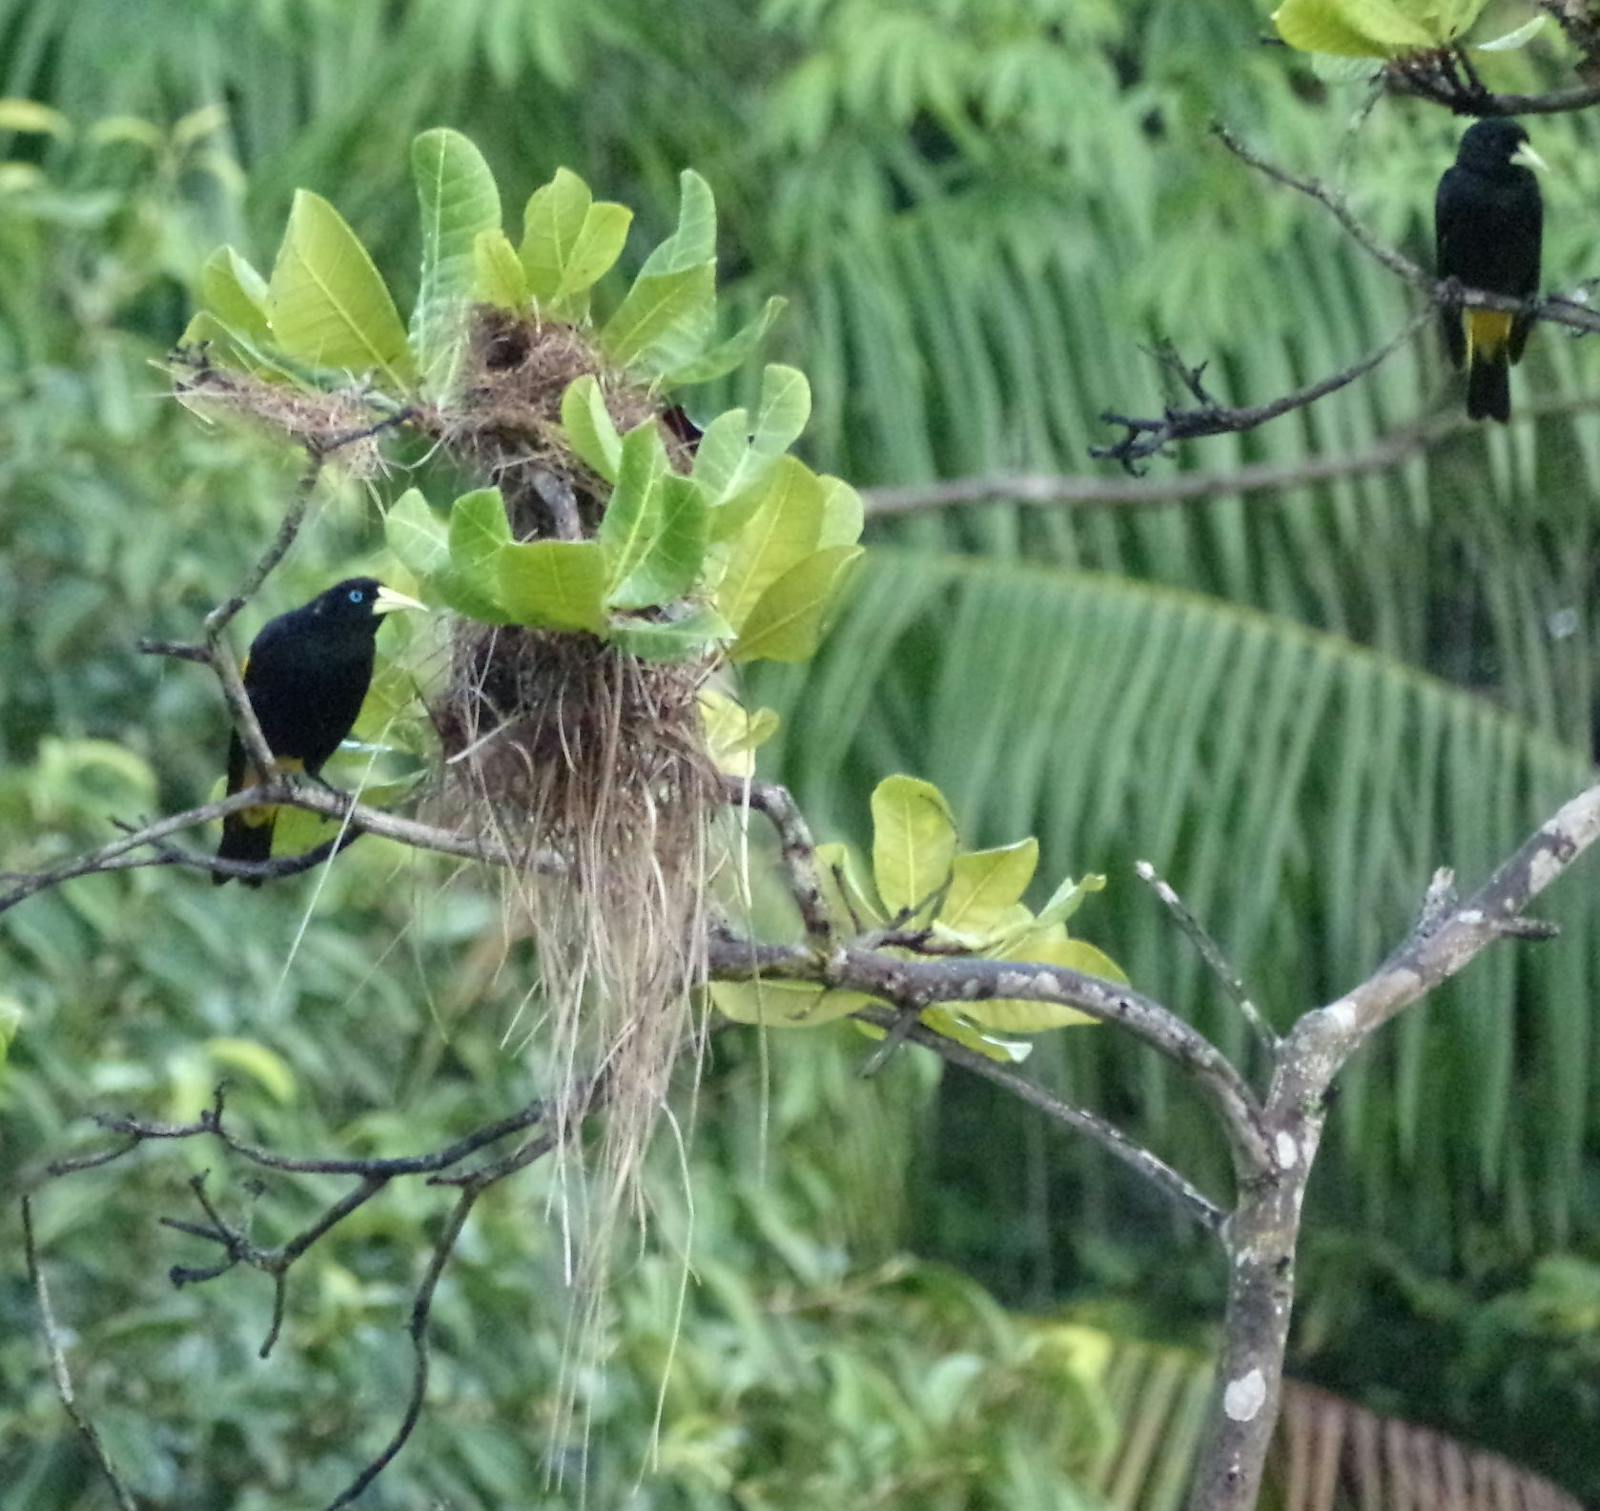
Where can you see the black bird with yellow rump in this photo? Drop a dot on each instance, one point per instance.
(306, 674)
(1489, 224)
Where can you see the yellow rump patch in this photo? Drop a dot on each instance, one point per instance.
(1488, 333)
(254, 818)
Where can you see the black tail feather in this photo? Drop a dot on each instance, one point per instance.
(242, 841)
(1489, 387)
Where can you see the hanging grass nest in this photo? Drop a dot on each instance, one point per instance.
(605, 567)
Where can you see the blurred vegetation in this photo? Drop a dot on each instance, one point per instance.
(1296, 705)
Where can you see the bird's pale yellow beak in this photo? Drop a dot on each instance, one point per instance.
(1526, 157)
(389, 602)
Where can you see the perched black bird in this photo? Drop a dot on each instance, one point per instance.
(307, 673)
(1489, 223)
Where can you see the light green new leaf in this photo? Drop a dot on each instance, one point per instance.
(32, 118)
(479, 534)
(696, 635)
(846, 894)
(235, 293)
(694, 241)
(556, 584)
(986, 884)
(552, 222)
(843, 513)
(721, 454)
(1366, 28)
(791, 617)
(497, 276)
(913, 842)
(1517, 37)
(665, 320)
(416, 536)
(733, 733)
(782, 531)
(633, 512)
(599, 244)
(784, 1004)
(727, 355)
(328, 304)
(459, 201)
(266, 1067)
(783, 410)
(674, 547)
(591, 432)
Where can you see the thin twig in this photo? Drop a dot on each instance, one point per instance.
(1192, 1202)
(56, 1351)
(1211, 952)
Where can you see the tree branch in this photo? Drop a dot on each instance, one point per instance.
(1192, 1202)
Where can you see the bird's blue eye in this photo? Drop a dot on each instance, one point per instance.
(357, 596)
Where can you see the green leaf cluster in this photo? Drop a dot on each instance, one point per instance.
(964, 902)
(1382, 28)
(326, 314)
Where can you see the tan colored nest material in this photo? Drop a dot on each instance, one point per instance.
(507, 427)
(559, 741)
(324, 422)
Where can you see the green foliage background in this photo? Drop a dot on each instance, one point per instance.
(1295, 704)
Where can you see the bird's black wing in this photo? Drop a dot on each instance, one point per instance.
(1449, 215)
(1530, 250)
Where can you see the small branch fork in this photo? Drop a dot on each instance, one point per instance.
(1147, 437)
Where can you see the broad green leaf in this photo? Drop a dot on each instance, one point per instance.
(1068, 898)
(1351, 28)
(986, 884)
(953, 1025)
(783, 410)
(664, 320)
(690, 638)
(733, 733)
(694, 241)
(266, 1067)
(497, 276)
(633, 512)
(479, 534)
(674, 548)
(727, 355)
(848, 897)
(235, 293)
(913, 842)
(784, 1004)
(721, 454)
(782, 531)
(459, 202)
(556, 584)
(598, 245)
(591, 432)
(843, 513)
(416, 536)
(551, 225)
(32, 118)
(329, 306)
(791, 617)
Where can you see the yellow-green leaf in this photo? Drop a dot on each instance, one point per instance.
(32, 118)
(551, 224)
(479, 534)
(1354, 28)
(416, 536)
(986, 884)
(266, 1067)
(733, 734)
(633, 510)
(235, 293)
(782, 532)
(953, 1025)
(559, 584)
(843, 513)
(694, 241)
(598, 245)
(328, 304)
(665, 320)
(591, 432)
(784, 1004)
(913, 842)
(791, 617)
(497, 276)
(734, 352)
(846, 894)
